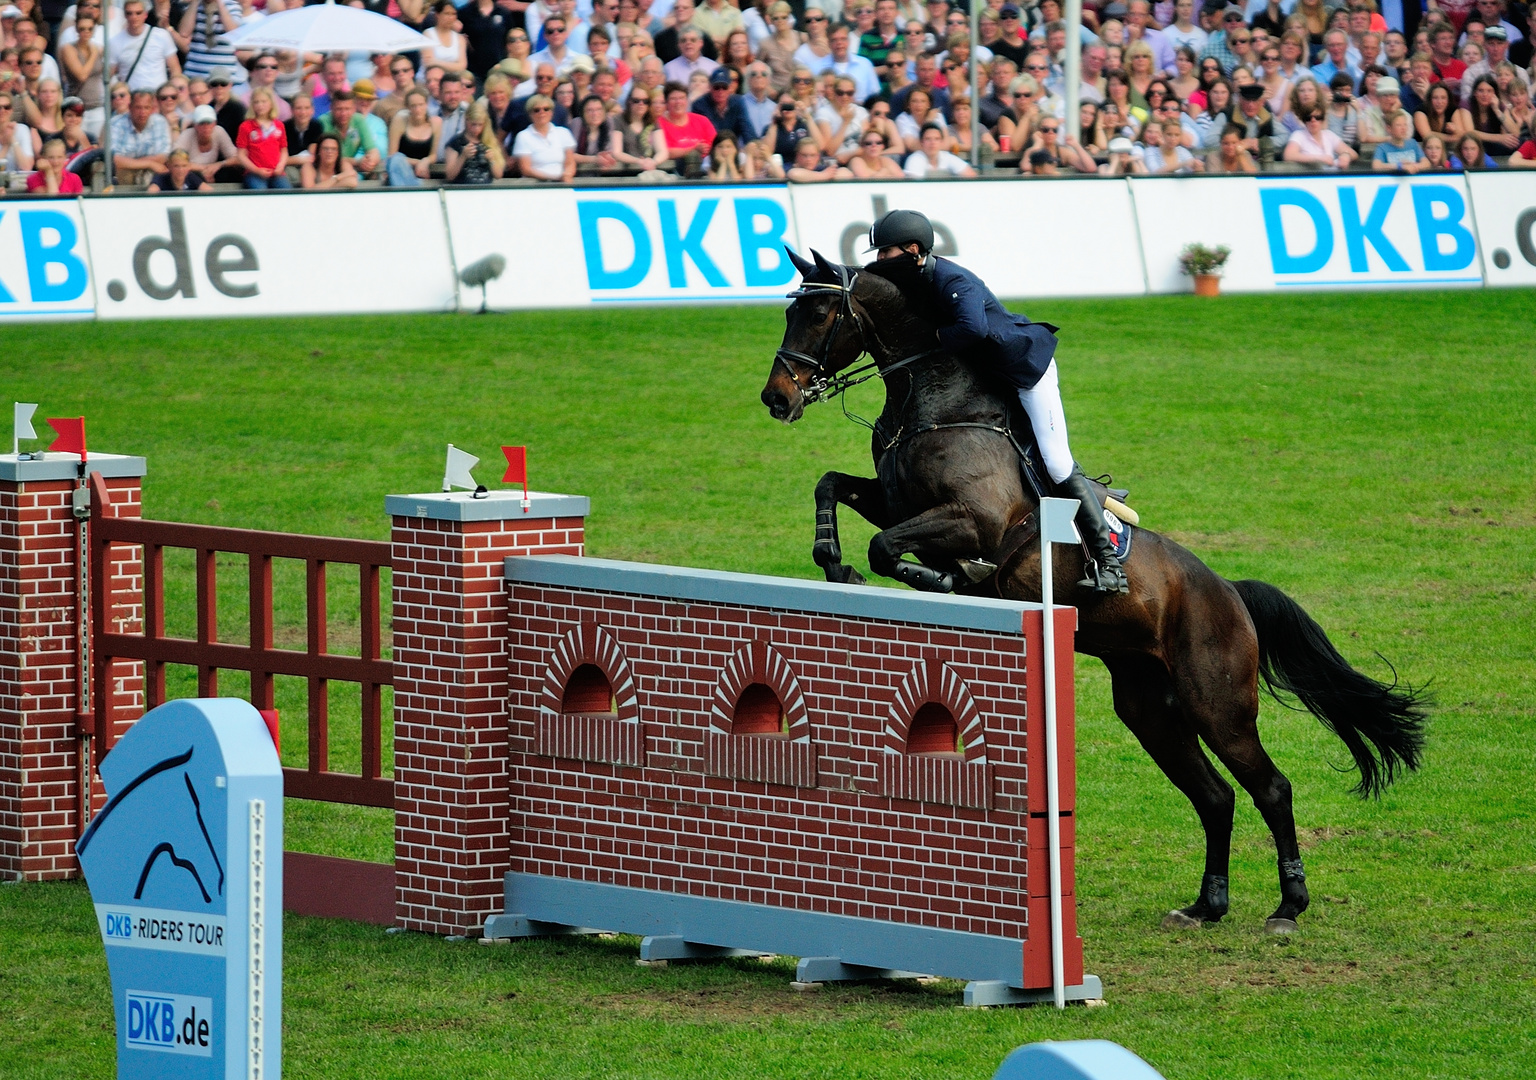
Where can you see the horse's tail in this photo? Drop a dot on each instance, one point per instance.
(1296, 656)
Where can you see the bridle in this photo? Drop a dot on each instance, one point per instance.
(822, 380)
(823, 384)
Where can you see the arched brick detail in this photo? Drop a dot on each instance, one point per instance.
(933, 680)
(936, 778)
(589, 644)
(615, 739)
(758, 662)
(767, 759)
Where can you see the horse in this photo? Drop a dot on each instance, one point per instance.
(1186, 649)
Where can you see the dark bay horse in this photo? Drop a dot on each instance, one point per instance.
(1185, 648)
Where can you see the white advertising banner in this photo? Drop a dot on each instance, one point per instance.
(1026, 238)
(1505, 206)
(44, 261)
(1215, 211)
(180, 256)
(1360, 230)
(534, 230)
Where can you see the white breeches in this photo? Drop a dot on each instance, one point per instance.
(1043, 404)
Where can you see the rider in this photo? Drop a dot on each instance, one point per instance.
(976, 325)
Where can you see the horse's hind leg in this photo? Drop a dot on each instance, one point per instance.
(867, 499)
(1145, 701)
(1237, 745)
(1220, 696)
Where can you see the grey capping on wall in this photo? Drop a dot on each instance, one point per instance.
(500, 505)
(46, 466)
(761, 591)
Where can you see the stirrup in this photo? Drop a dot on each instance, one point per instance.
(1107, 576)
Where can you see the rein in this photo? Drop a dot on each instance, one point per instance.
(825, 386)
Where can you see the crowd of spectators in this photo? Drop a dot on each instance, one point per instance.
(813, 91)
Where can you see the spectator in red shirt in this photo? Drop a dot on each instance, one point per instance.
(1448, 68)
(687, 134)
(1523, 158)
(52, 177)
(263, 144)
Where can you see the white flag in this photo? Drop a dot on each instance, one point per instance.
(23, 423)
(456, 472)
(1056, 521)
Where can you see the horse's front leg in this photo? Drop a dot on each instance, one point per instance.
(947, 532)
(863, 494)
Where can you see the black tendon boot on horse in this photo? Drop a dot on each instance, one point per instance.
(1104, 573)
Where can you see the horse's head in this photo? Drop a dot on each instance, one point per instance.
(824, 335)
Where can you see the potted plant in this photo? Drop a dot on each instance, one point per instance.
(1204, 265)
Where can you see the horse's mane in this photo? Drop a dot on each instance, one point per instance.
(902, 303)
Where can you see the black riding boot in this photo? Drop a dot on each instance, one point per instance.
(1103, 573)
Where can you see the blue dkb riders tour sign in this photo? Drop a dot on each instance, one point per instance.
(185, 867)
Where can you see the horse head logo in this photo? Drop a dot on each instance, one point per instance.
(156, 826)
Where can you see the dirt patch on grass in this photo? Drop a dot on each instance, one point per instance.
(747, 1004)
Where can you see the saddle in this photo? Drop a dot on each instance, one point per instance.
(984, 574)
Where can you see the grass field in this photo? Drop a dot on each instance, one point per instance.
(1370, 454)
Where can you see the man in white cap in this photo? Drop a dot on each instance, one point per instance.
(1123, 160)
(209, 148)
(1375, 119)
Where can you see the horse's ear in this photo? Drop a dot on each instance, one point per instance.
(823, 267)
(806, 269)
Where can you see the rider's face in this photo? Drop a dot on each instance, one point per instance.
(894, 252)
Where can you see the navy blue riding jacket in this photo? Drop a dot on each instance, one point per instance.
(987, 332)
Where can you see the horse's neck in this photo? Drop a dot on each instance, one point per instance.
(935, 389)
(940, 389)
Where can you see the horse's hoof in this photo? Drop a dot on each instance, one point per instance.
(1280, 926)
(1177, 920)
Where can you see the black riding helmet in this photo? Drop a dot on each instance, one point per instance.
(898, 228)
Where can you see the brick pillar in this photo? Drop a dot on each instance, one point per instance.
(40, 747)
(450, 631)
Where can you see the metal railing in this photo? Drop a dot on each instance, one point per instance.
(259, 658)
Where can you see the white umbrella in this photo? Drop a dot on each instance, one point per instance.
(327, 28)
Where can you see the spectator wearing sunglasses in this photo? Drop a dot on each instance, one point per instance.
(166, 100)
(264, 71)
(641, 143)
(1219, 46)
(871, 162)
(545, 150)
(403, 74)
(816, 53)
(1316, 147)
(843, 120)
(724, 110)
(1013, 44)
(759, 101)
(690, 58)
(778, 50)
(143, 56)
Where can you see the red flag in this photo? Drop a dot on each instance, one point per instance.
(517, 465)
(71, 438)
(517, 470)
